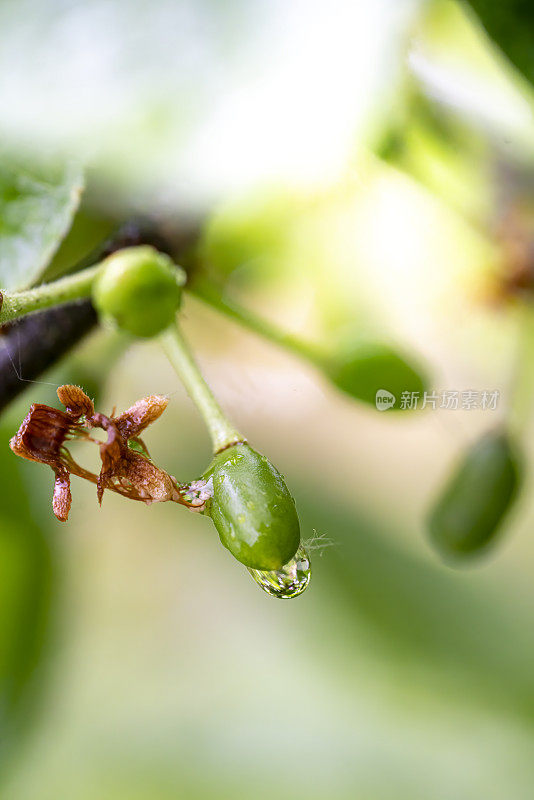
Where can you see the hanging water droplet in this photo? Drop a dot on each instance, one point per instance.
(287, 582)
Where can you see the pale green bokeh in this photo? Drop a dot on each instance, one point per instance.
(169, 673)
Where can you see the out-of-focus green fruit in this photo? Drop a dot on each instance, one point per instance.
(480, 491)
(364, 368)
(252, 508)
(253, 231)
(140, 289)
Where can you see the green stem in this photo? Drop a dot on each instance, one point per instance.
(222, 432)
(210, 295)
(64, 290)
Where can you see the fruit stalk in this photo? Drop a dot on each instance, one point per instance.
(212, 296)
(64, 290)
(223, 434)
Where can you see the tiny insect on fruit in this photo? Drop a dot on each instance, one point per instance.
(481, 490)
(252, 508)
(139, 288)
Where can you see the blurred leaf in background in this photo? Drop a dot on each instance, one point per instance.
(37, 206)
(510, 26)
(27, 572)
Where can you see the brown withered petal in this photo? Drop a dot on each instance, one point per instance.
(128, 471)
(139, 416)
(135, 474)
(41, 437)
(42, 434)
(111, 453)
(77, 403)
(45, 430)
(62, 497)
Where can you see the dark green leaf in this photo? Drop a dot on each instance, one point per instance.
(510, 25)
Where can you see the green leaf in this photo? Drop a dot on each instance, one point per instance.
(510, 26)
(37, 205)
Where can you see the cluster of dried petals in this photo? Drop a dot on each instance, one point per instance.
(126, 465)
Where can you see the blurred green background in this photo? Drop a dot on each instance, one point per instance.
(361, 171)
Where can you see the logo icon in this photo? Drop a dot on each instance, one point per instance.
(384, 400)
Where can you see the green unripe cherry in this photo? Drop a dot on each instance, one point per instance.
(252, 508)
(479, 493)
(140, 289)
(361, 369)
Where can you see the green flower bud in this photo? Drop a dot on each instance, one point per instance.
(479, 493)
(361, 369)
(252, 509)
(140, 289)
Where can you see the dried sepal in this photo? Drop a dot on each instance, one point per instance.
(126, 470)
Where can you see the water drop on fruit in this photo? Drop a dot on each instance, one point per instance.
(287, 582)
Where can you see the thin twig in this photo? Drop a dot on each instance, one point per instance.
(35, 343)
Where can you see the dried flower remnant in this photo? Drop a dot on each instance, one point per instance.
(77, 403)
(126, 465)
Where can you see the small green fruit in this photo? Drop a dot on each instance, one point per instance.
(252, 509)
(140, 289)
(467, 515)
(364, 368)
